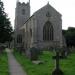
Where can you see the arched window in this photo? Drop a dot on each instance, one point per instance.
(48, 31)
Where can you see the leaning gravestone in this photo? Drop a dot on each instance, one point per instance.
(57, 70)
(33, 53)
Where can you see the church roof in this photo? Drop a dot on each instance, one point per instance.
(48, 6)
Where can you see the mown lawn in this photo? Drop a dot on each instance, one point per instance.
(67, 65)
(4, 64)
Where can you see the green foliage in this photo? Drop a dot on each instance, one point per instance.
(67, 65)
(4, 64)
(5, 26)
(70, 36)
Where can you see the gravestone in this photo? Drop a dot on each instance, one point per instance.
(38, 62)
(33, 53)
(57, 70)
(65, 52)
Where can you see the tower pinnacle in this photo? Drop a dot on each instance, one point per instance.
(48, 2)
(29, 1)
(17, 0)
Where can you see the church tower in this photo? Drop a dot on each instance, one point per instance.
(22, 13)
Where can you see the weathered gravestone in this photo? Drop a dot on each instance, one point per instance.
(38, 62)
(33, 53)
(65, 52)
(57, 70)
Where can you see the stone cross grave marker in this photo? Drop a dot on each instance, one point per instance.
(57, 70)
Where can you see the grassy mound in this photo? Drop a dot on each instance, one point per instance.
(67, 65)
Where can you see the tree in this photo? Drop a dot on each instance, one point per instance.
(70, 36)
(5, 26)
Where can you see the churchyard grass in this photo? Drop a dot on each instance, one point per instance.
(4, 64)
(66, 65)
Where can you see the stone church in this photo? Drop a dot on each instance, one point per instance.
(41, 30)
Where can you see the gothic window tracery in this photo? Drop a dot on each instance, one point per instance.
(48, 31)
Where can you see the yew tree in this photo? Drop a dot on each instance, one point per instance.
(5, 25)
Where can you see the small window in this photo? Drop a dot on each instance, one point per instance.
(31, 32)
(23, 11)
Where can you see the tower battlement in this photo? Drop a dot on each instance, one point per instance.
(23, 3)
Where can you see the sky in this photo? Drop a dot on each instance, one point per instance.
(65, 7)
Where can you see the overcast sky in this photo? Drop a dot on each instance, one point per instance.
(65, 7)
